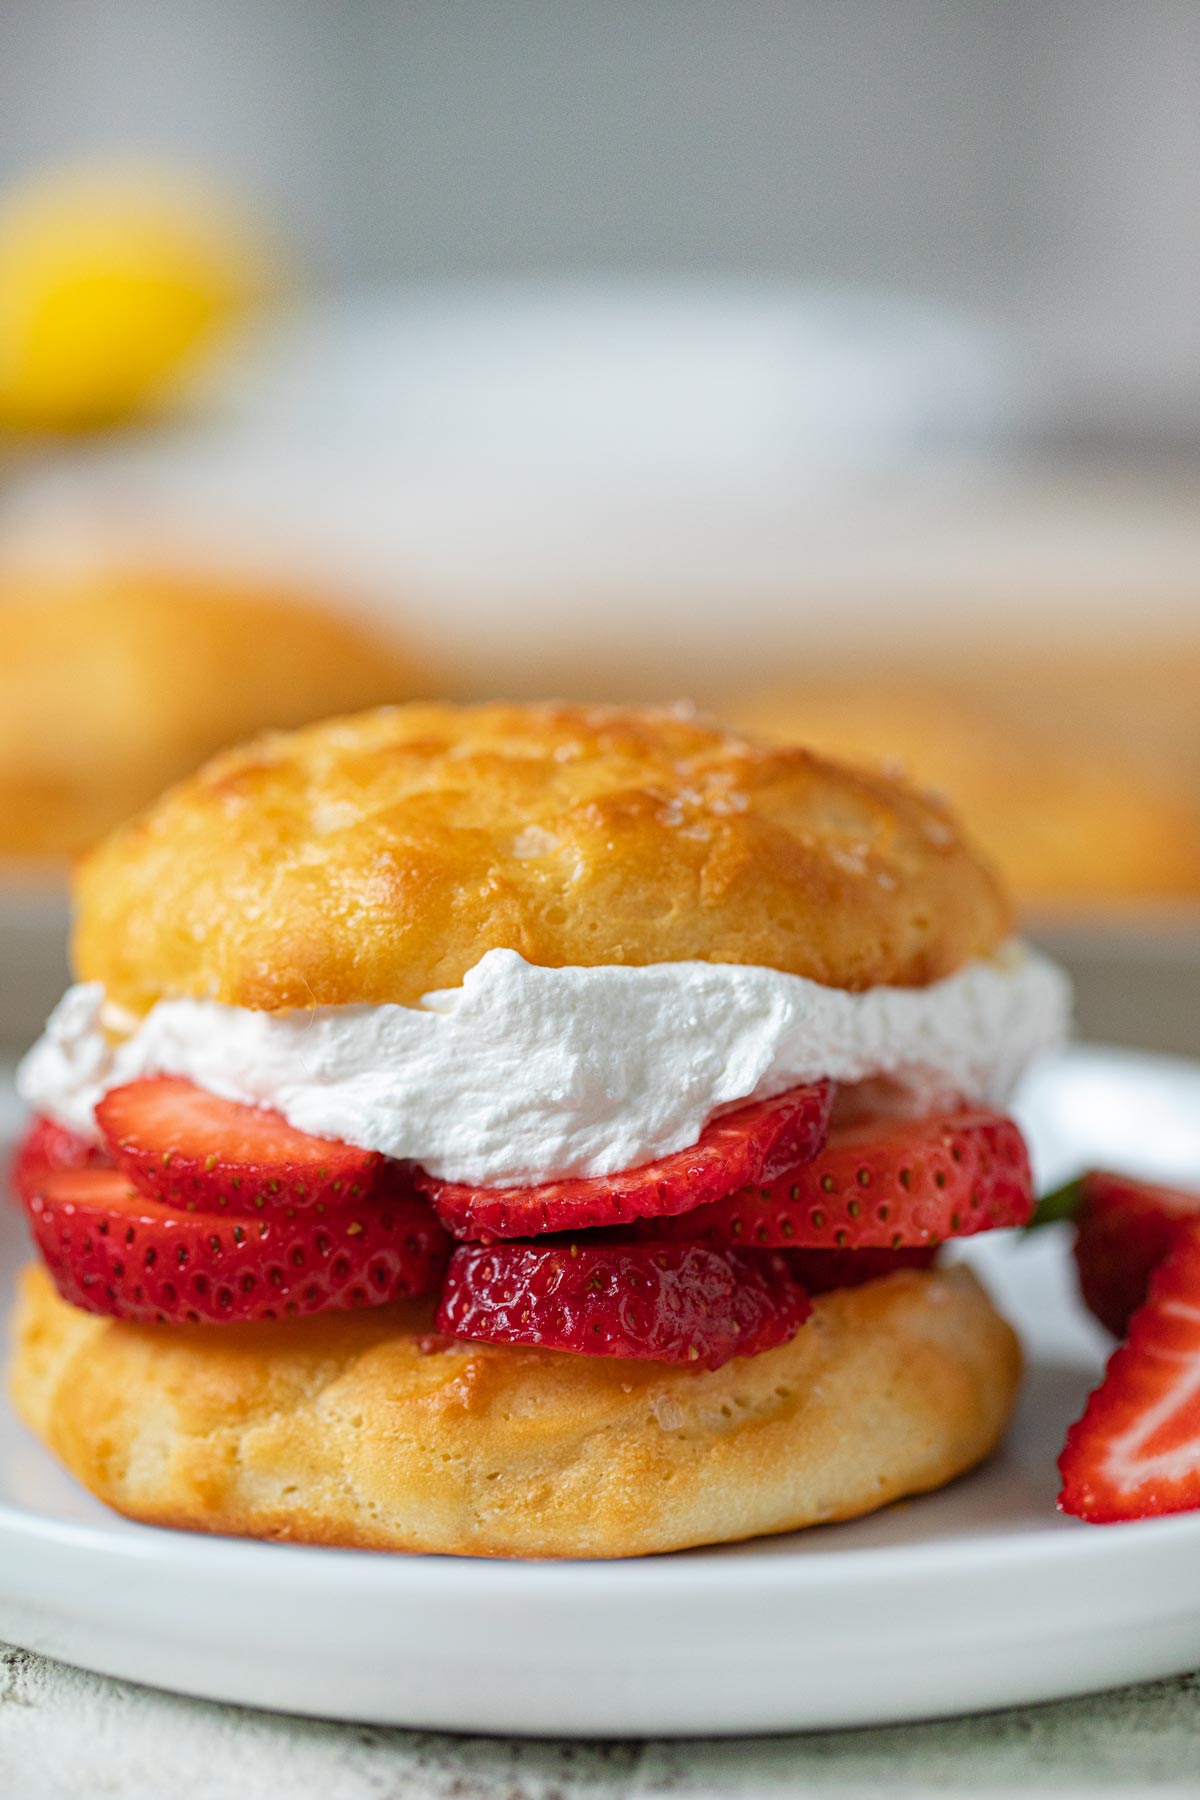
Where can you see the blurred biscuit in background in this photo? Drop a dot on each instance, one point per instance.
(1079, 769)
(112, 685)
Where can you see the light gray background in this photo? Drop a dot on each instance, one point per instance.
(1037, 158)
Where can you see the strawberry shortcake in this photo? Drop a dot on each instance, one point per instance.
(525, 1131)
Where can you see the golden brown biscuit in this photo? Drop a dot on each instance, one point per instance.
(112, 686)
(1066, 772)
(379, 857)
(341, 1430)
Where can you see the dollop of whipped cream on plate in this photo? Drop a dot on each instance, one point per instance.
(525, 1073)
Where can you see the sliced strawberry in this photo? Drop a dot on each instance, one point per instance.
(110, 1250)
(1135, 1453)
(747, 1145)
(651, 1303)
(882, 1184)
(820, 1271)
(184, 1147)
(47, 1147)
(1124, 1228)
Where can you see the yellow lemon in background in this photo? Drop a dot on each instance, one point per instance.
(111, 279)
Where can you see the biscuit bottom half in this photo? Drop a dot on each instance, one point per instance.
(364, 1429)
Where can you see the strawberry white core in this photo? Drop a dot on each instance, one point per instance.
(526, 1073)
(1125, 1462)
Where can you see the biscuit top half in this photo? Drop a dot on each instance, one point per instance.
(377, 857)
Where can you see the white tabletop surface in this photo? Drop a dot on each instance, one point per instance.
(65, 1735)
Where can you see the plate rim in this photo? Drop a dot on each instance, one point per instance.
(710, 1567)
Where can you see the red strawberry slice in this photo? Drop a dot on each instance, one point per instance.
(882, 1184)
(747, 1145)
(1124, 1228)
(184, 1147)
(110, 1250)
(652, 1303)
(47, 1147)
(820, 1271)
(1135, 1453)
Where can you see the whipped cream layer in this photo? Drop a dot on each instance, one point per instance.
(524, 1073)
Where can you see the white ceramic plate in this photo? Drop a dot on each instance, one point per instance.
(976, 1597)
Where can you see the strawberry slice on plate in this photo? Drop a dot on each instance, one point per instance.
(883, 1184)
(184, 1147)
(1124, 1228)
(48, 1147)
(653, 1303)
(733, 1149)
(111, 1250)
(1135, 1453)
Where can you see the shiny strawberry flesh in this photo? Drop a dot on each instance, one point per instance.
(46, 1149)
(1124, 1229)
(1135, 1453)
(881, 1185)
(184, 1147)
(738, 1147)
(676, 1303)
(112, 1251)
(821, 1271)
